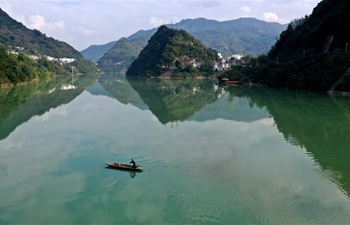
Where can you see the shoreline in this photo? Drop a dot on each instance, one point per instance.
(17, 84)
(185, 77)
(339, 93)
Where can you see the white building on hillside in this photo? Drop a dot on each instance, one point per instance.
(237, 56)
(66, 60)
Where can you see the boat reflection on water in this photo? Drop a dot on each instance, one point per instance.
(131, 173)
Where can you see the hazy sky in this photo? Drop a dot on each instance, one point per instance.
(82, 23)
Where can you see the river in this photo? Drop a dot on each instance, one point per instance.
(211, 154)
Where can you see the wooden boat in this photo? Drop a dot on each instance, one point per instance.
(231, 81)
(226, 80)
(124, 166)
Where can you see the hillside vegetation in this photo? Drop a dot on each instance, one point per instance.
(172, 52)
(312, 54)
(18, 43)
(14, 33)
(15, 69)
(121, 55)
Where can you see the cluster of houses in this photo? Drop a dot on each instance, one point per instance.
(61, 60)
(15, 51)
(226, 63)
(50, 58)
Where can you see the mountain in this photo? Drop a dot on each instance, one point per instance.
(121, 55)
(247, 36)
(172, 52)
(95, 52)
(325, 30)
(15, 38)
(13, 33)
(312, 54)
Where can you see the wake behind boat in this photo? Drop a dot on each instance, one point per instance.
(124, 166)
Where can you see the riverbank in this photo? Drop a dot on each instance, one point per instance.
(17, 84)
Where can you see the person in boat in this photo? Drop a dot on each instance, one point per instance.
(133, 163)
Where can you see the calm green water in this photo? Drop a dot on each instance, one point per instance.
(211, 155)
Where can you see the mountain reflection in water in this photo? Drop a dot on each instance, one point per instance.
(267, 155)
(20, 103)
(317, 122)
(174, 100)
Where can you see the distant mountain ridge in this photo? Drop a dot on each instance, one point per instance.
(247, 36)
(118, 58)
(95, 52)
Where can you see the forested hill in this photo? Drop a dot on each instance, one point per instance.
(13, 33)
(172, 52)
(28, 54)
(312, 54)
(327, 29)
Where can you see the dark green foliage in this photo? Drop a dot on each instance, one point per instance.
(325, 30)
(317, 74)
(310, 54)
(15, 69)
(171, 52)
